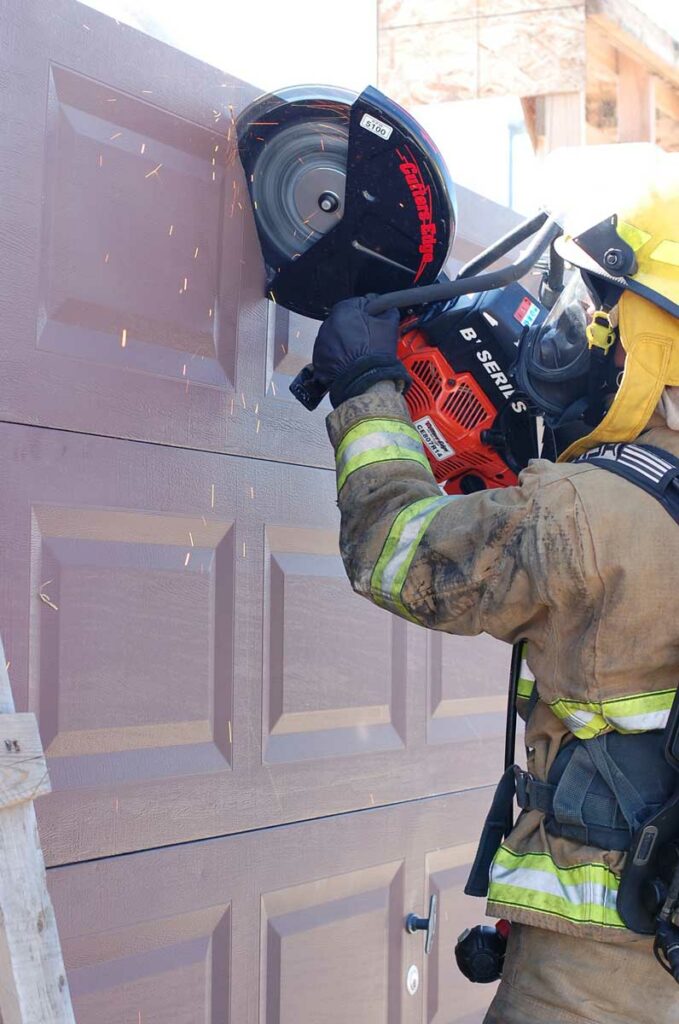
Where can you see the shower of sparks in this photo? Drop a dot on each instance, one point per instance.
(187, 559)
(191, 539)
(153, 172)
(123, 337)
(143, 148)
(212, 496)
(116, 136)
(171, 229)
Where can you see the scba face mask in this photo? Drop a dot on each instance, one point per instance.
(557, 369)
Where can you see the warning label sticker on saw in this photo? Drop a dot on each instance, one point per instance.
(436, 444)
(372, 124)
(527, 312)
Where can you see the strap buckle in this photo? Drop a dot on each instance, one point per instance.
(601, 333)
(523, 783)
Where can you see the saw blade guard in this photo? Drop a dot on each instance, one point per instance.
(349, 193)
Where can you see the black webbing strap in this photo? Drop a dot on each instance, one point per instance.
(651, 468)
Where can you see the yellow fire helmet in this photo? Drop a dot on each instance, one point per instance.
(636, 247)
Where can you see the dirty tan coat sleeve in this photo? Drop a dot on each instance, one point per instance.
(481, 563)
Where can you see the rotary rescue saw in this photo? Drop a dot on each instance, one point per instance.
(351, 197)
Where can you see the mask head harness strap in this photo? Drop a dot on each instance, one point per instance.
(601, 338)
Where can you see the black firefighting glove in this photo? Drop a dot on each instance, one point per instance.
(355, 350)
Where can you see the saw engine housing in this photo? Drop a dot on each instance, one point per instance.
(476, 429)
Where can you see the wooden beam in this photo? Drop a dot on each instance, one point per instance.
(636, 101)
(33, 986)
(637, 35)
(667, 99)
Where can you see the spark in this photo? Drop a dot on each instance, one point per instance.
(242, 398)
(214, 175)
(299, 158)
(186, 284)
(123, 337)
(147, 92)
(297, 335)
(101, 160)
(214, 161)
(217, 117)
(111, 99)
(252, 494)
(171, 229)
(116, 136)
(154, 171)
(7, 664)
(184, 370)
(259, 423)
(231, 413)
(322, 145)
(212, 496)
(240, 205)
(186, 560)
(46, 584)
(230, 734)
(217, 147)
(252, 177)
(191, 539)
(256, 408)
(255, 204)
(195, 255)
(204, 520)
(46, 600)
(273, 389)
(372, 799)
(87, 27)
(106, 257)
(244, 549)
(143, 148)
(209, 312)
(117, 804)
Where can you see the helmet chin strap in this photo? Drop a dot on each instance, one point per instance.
(601, 338)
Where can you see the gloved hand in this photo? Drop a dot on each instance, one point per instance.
(355, 350)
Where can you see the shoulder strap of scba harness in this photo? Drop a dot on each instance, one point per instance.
(651, 468)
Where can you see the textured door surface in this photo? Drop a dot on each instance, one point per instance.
(263, 772)
(304, 928)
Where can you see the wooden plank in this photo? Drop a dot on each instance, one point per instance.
(667, 98)
(33, 986)
(560, 121)
(636, 102)
(634, 33)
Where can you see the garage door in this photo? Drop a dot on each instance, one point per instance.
(226, 724)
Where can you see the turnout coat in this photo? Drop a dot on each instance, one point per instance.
(578, 562)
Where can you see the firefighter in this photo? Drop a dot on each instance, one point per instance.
(577, 561)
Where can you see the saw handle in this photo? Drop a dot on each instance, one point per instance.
(307, 389)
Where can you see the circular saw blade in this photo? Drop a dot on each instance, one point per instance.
(298, 182)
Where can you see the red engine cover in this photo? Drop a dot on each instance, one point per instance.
(450, 411)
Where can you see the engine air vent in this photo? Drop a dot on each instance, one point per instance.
(465, 407)
(428, 374)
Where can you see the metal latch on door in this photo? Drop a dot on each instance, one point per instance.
(425, 924)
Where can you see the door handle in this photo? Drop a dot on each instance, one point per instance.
(424, 924)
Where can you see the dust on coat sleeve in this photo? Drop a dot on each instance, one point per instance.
(465, 565)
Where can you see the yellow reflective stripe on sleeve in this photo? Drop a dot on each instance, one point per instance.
(377, 440)
(640, 712)
(666, 252)
(583, 894)
(403, 540)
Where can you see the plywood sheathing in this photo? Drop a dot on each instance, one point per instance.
(623, 65)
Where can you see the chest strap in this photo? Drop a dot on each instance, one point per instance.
(651, 468)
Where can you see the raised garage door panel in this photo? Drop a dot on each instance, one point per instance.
(182, 625)
(132, 300)
(302, 924)
(132, 280)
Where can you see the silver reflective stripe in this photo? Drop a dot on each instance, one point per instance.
(379, 439)
(407, 544)
(576, 720)
(638, 723)
(579, 894)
